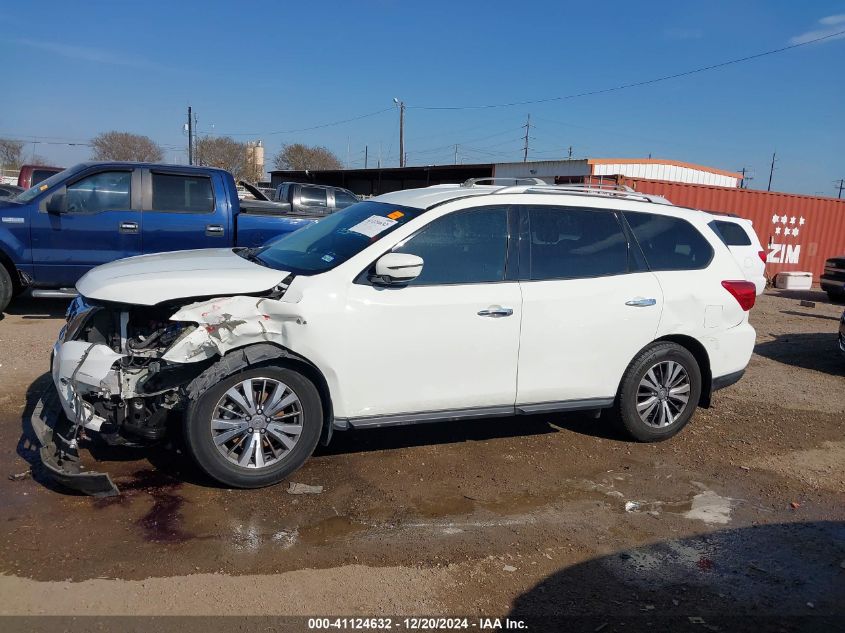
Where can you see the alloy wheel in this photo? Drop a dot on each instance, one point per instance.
(257, 422)
(663, 394)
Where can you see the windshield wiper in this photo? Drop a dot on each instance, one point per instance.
(251, 254)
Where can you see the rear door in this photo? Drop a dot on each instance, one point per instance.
(589, 305)
(99, 222)
(185, 210)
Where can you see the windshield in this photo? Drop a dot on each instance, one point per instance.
(331, 241)
(46, 184)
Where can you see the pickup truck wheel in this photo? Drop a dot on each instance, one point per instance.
(7, 288)
(835, 297)
(659, 392)
(256, 427)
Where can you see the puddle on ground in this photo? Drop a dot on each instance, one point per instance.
(329, 530)
(709, 507)
(518, 503)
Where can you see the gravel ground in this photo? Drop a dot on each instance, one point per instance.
(740, 516)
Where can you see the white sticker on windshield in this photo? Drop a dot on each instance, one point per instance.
(373, 225)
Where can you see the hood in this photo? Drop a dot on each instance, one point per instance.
(152, 279)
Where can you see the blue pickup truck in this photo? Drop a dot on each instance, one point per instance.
(93, 213)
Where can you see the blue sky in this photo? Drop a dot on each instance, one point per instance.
(255, 68)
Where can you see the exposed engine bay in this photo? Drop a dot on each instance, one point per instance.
(125, 370)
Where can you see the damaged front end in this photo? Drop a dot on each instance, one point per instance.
(125, 371)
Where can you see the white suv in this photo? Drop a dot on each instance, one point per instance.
(444, 303)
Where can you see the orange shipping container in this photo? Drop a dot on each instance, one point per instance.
(799, 232)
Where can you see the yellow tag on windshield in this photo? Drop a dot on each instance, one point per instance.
(42, 187)
(395, 215)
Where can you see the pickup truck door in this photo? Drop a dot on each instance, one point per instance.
(94, 219)
(184, 210)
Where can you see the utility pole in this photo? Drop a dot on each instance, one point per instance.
(841, 184)
(771, 171)
(366, 155)
(527, 127)
(456, 153)
(190, 137)
(570, 152)
(742, 180)
(401, 105)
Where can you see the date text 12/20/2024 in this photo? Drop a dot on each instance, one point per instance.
(416, 624)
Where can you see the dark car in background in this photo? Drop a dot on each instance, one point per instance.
(832, 280)
(31, 175)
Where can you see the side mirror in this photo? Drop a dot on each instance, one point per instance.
(56, 203)
(396, 269)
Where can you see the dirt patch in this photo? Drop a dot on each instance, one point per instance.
(822, 467)
(348, 590)
(485, 516)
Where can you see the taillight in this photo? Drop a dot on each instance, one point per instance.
(744, 292)
(762, 256)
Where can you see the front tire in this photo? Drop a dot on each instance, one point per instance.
(7, 288)
(659, 392)
(254, 427)
(835, 297)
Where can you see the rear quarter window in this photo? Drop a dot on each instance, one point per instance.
(732, 234)
(669, 243)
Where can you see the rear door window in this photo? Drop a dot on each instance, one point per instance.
(669, 243)
(181, 193)
(40, 175)
(571, 243)
(313, 197)
(732, 234)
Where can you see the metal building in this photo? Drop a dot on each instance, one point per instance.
(651, 168)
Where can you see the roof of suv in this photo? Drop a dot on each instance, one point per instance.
(429, 197)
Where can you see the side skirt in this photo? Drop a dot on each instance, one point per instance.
(402, 419)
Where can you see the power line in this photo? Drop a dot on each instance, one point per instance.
(307, 129)
(636, 84)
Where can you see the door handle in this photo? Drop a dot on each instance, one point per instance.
(496, 312)
(214, 230)
(128, 227)
(639, 302)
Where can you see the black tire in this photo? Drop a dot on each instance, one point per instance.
(7, 288)
(626, 400)
(200, 443)
(835, 297)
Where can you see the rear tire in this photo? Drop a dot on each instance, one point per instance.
(238, 414)
(659, 392)
(835, 297)
(7, 288)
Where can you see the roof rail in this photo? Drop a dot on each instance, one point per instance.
(605, 191)
(471, 182)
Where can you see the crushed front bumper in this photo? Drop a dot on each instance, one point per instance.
(59, 452)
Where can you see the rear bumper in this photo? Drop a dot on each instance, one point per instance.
(720, 382)
(59, 453)
(730, 350)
